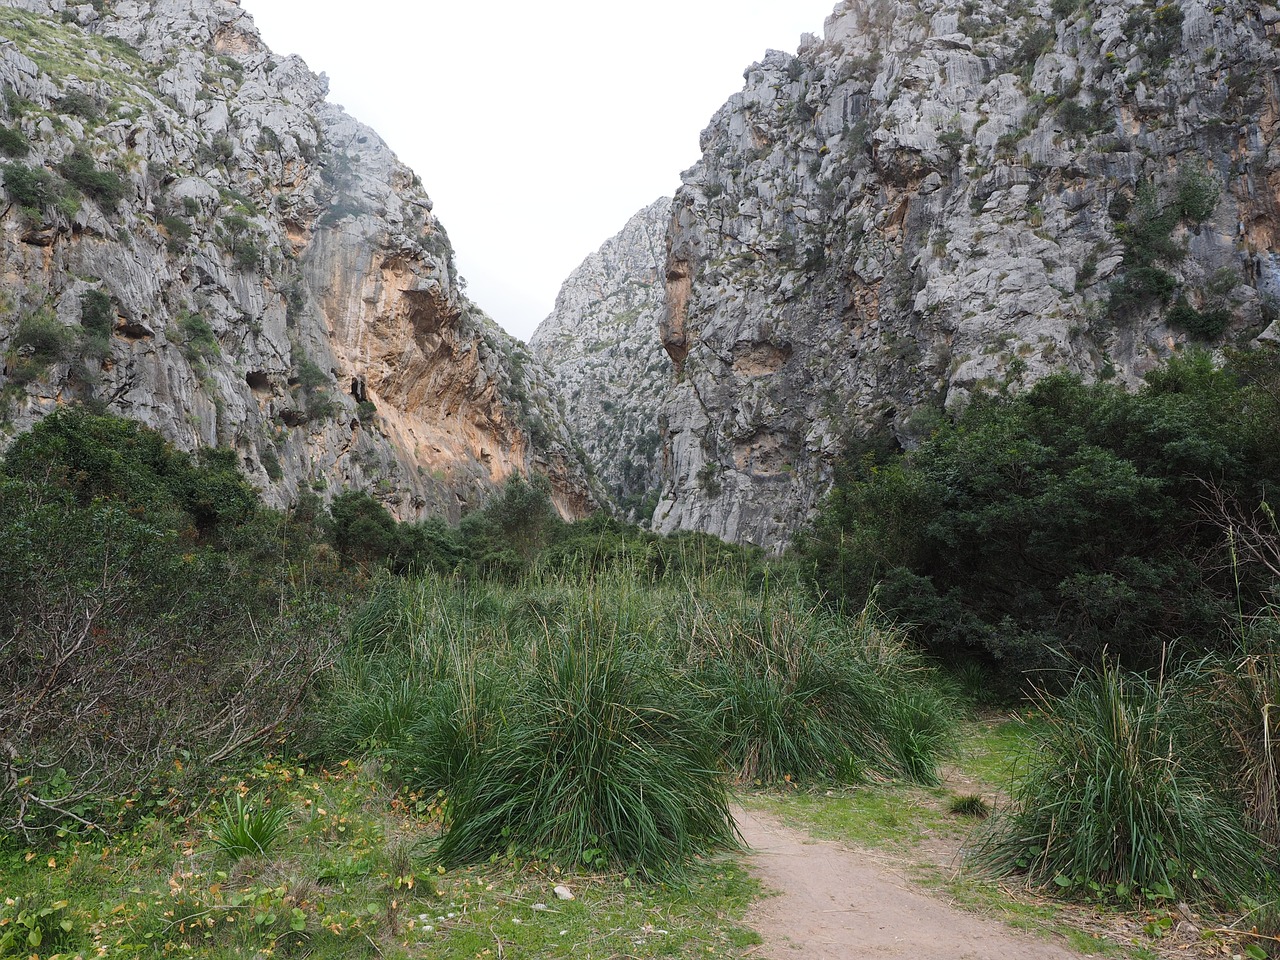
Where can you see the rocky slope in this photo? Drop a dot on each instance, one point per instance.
(601, 344)
(194, 237)
(940, 199)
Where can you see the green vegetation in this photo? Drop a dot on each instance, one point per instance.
(97, 313)
(169, 624)
(1120, 799)
(325, 731)
(33, 188)
(483, 691)
(349, 877)
(1070, 519)
(39, 341)
(13, 143)
(199, 342)
(485, 729)
(248, 830)
(1146, 231)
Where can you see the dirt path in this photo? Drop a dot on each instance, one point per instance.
(834, 904)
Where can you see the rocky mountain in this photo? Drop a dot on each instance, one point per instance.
(194, 237)
(941, 199)
(601, 343)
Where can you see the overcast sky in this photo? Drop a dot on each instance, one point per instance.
(538, 128)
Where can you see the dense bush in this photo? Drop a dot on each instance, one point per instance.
(102, 186)
(169, 621)
(796, 694)
(97, 314)
(594, 761)
(31, 187)
(1070, 517)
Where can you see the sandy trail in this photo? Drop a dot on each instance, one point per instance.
(834, 904)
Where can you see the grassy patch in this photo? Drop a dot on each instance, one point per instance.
(890, 816)
(353, 875)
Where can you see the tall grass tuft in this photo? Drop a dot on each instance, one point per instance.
(1243, 694)
(596, 760)
(1114, 801)
(794, 691)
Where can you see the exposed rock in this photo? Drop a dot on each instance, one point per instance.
(601, 344)
(276, 279)
(934, 202)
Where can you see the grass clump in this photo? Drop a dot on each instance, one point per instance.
(1115, 801)
(797, 693)
(970, 805)
(248, 829)
(595, 760)
(596, 723)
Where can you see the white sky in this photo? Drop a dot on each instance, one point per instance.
(538, 128)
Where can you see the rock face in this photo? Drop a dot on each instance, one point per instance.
(194, 237)
(941, 199)
(601, 344)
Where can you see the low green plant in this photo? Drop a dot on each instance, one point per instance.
(97, 313)
(32, 188)
(178, 231)
(1205, 324)
(81, 104)
(970, 805)
(30, 926)
(104, 187)
(42, 336)
(249, 829)
(794, 692)
(199, 342)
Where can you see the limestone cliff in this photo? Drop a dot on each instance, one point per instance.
(938, 199)
(601, 345)
(194, 237)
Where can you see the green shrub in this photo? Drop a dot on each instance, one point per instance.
(97, 313)
(13, 143)
(199, 342)
(1064, 518)
(796, 693)
(80, 104)
(170, 622)
(1114, 803)
(1147, 235)
(179, 231)
(31, 187)
(102, 186)
(1203, 325)
(101, 457)
(40, 334)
